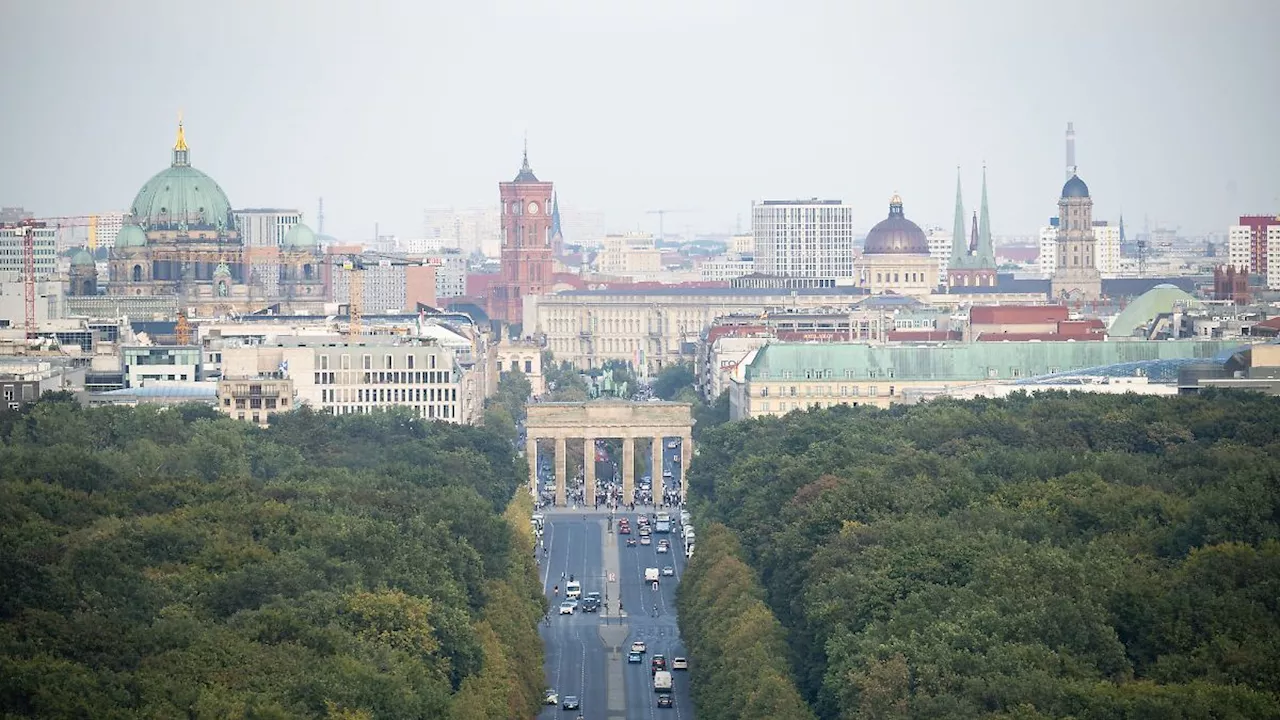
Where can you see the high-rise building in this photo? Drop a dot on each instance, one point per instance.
(263, 231)
(1258, 249)
(1106, 248)
(526, 258)
(1239, 240)
(103, 229)
(451, 271)
(1049, 248)
(803, 238)
(45, 242)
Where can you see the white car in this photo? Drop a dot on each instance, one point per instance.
(646, 540)
(663, 548)
(639, 646)
(668, 571)
(567, 608)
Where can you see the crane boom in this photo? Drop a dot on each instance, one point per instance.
(29, 273)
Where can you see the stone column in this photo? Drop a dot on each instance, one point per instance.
(655, 452)
(589, 471)
(531, 454)
(686, 457)
(628, 470)
(561, 480)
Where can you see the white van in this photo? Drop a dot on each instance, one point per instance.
(651, 575)
(573, 590)
(688, 551)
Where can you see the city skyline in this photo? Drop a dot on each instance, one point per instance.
(390, 109)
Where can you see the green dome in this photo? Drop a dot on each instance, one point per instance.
(181, 197)
(82, 259)
(300, 237)
(1157, 301)
(130, 236)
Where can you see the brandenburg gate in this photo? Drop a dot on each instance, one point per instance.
(608, 419)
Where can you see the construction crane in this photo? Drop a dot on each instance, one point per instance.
(356, 264)
(28, 228)
(662, 214)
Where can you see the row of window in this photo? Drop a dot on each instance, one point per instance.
(382, 377)
(386, 362)
(515, 365)
(388, 395)
(845, 391)
(427, 412)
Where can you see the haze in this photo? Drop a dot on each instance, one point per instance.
(386, 108)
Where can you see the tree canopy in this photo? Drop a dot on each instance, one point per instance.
(1084, 555)
(175, 563)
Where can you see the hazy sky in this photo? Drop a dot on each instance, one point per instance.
(385, 108)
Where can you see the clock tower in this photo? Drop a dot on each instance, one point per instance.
(526, 259)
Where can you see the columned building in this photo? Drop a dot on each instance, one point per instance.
(527, 264)
(1076, 275)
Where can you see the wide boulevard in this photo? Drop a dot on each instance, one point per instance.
(586, 653)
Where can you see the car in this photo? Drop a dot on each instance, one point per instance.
(570, 702)
(639, 647)
(644, 530)
(665, 701)
(668, 571)
(663, 548)
(567, 608)
(679, 663)
(551, 697)
(646, 540)
(659, 662)
(633, 657)
(590, 605)
(624, 530)
(631, 542)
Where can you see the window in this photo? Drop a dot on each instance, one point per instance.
(408, 361)
(528, 367)
(345, 362)
(387, 364)
(324, 362)
(499, 366)
(367, 362)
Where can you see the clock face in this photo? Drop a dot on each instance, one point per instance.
(533, 208)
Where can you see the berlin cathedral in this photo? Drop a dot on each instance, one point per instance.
(180, 239)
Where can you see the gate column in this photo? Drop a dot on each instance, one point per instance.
(655, 453)
(589, 471)
(628, 470)
(561, 480)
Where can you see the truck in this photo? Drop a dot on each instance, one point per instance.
(651, 575)
(573, 590)
(662, 681)
(662, 526)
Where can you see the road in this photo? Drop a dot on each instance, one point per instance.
(586, 652)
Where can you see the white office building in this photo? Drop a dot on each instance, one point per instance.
(1238, 246)
(45, 241)
(103, 229)
(265, 227)
(724, 269)
(385, 287)
(803, 238)
(1106, 256)
(939, 248)
(451, 271)
(1048, 250)
(1273, 257)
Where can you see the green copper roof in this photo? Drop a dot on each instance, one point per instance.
(962, 362)
(130, 236)
(82, 259)
(181, 197)
(959, 249)
(1147, 306)
(300, 237)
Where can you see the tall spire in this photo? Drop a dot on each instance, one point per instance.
(555, 216)
(958, 249)
(986, 252)
(526, 172)
(180, 146)
(973, 237)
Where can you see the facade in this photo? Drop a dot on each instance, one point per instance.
(384, 286)
(939, 248)
(181, 239)
(629, 255)
(742, 244)
(51, 302)
(82, 277)
(527, 262)
(45, 241)
(972, 264)
(25, 379)
(803, 238)
(1048, 260)
(1273, 257)
(342, 379)
(1239, 238)
(262, 233)
(1075, 276)
(782, 377)
(451, 272)
(1106, 248)
(1259, 245)
(103, 229)
(255, 399)
(522, 355)
(895, 257)
(163, 363)
(724, 269)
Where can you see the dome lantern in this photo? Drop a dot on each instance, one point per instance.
(181, 157)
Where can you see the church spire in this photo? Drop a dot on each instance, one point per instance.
(555, 216)
(986, 252)
(180, 146)
(526, 172)
(958, 250)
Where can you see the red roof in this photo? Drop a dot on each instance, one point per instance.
(1018, 253)
(1272, 323)
(924, 335)
(718, 331)
(1078, 328)
(1016, 314)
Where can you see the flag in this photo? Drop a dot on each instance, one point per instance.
(284, 367)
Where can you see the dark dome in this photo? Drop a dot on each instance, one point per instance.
(1075, 188)
(896, 235)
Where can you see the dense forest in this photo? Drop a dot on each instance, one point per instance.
(1057, 556)
(163, 563)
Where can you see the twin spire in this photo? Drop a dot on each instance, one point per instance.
(978, 253)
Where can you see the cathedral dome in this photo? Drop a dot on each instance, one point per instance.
(82, 259)
(896, 235)
(181, 197)
(1075, 188)
(130, 236)
(300, 237)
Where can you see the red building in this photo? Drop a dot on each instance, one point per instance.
(1257, 225)
(526, 259)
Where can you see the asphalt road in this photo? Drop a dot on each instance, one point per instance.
(586, 652)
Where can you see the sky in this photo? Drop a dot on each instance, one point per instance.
(386, 108)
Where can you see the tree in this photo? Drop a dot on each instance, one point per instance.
(672, 379)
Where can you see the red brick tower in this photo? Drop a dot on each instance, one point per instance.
(527, 264)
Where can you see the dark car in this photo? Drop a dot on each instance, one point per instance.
(659, 662)
(590, 604)
(665, 701)
(570, 702)
(631, 542)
